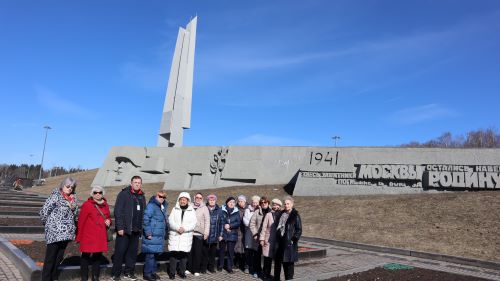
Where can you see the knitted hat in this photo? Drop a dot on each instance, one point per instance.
(277, 201)
(212, 196)
(242, 198)
(229, 199)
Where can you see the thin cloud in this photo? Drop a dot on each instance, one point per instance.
(265, 140)
(52, 101)
(421, 114)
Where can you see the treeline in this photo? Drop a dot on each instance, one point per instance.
(10, 172)
(487, 138)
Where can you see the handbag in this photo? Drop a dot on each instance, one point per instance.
(109, 233)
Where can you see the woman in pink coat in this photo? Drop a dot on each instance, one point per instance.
(268, 236)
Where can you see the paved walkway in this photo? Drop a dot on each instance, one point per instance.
(8, 270)
(341, 261)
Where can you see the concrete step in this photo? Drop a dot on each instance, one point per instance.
(22, 229)
(19, 204)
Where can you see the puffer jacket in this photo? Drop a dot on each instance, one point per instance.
(155, 225)
(215, 224)
(58, 218)
(233, 219)
(181, 242)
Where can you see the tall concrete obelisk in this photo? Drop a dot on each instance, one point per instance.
(177, 108)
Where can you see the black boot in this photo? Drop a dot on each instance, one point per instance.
(84, 275)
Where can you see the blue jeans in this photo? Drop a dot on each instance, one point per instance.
(150, 265)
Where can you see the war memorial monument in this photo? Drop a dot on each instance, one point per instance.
(310, 171)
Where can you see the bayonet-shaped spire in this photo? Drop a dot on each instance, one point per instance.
(177, 108)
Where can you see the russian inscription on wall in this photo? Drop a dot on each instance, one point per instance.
(430, 176)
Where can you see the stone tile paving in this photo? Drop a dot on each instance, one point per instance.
(341, 261)
(8, 270)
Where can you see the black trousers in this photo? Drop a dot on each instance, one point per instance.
(175, 257)
(288, 267)
(53, 257)
(90, 258)
(230, 253)
(249, 259)
(267, 266)
(257, 260)
(126, 248)
(196, 255)
(212, 252)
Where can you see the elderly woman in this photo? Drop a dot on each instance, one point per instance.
(182, 221)
(239, 248)
(255, 228)
(288, 232)
(154, 228)
(250, 244)
(199, 250)
(267, 236)
(93, 221)
(214, 233)
(230, 225)
(58, 216)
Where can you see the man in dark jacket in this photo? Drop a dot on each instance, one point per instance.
(129, 213)
(288, 233)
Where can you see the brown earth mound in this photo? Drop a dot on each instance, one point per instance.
(415, 274)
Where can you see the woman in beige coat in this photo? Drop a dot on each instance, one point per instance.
(268, 236)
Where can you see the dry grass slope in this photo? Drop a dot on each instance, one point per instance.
(462, 224)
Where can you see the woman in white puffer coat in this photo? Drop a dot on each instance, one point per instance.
(182, 221)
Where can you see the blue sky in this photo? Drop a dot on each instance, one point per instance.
(376, 73)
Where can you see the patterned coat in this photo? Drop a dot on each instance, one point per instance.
(58, 218)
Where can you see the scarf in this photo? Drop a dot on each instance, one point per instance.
(196, 205)
(99, 202)
(281, 225)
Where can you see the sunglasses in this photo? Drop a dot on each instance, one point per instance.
(264, 202)
(163, 197)
(97, 192)
(69, 186)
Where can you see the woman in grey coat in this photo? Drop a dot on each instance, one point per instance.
(58, 216)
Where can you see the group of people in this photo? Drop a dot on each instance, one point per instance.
(240, 233)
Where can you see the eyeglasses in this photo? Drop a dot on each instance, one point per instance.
(97, 192)
(69, 186)
(162, 197)
(264, 202)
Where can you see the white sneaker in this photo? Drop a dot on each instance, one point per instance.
(187, 272)
(196, 274)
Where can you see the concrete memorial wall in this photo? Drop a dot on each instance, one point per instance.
(310, 170)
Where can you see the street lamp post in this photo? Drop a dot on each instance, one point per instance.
(335, 138)
(47, 128)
